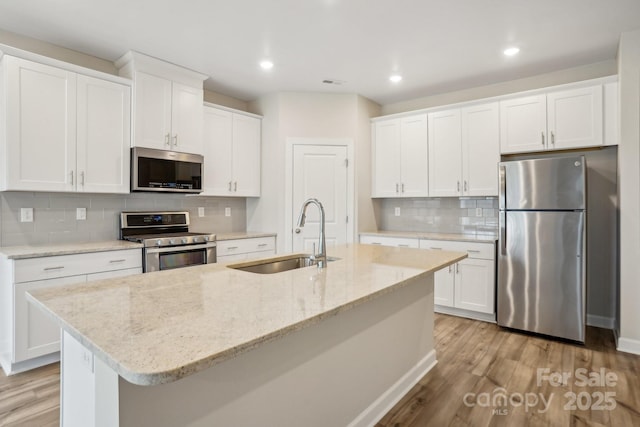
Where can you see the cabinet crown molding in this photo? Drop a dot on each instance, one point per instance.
(133, 61)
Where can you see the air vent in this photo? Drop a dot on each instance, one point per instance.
(333, 82)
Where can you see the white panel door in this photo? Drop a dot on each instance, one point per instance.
(523, 124)
(104, 136)
(186, 118)
(320, 171)
(575, 118)
(414, 166)
(475, 285)
(443, 286)
(152, 125)
(480, 149)
(246, 156)
(445, 154)
(40, 127)
(217, 151)
(386, 158)
(36, 334)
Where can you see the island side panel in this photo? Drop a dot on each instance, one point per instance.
(346, 369)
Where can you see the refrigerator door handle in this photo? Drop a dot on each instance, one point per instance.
(502, 238)
(502, 178)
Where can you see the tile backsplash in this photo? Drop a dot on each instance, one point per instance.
(54, 215)
(470, 215)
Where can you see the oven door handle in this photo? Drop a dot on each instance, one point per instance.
(180, 248)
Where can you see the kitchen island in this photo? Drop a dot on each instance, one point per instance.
(212, 345)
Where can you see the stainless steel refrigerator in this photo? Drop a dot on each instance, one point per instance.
(542, 246)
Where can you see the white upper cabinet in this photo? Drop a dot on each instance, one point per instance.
(400, 157)
(64, 131)
(556, 121)
(464, 151)
(232, 143)
(168, 103)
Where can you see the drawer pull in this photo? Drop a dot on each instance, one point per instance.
(473, 251)
(113, 261)
(403, 246)
(375, 243)
(54, 268)
(436, 249)
(230, 248)
(262, 245)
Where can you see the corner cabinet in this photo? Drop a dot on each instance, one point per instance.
(167, 103)
(30, 338)
(63, 131)
(554, 121)
(464, 151)
(232, 149)
(400, 157)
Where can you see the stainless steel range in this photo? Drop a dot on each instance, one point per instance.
(168, 244)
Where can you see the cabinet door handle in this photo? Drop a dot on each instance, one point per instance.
(235, 186)
(553, 139)
(458, 186)
(465, 186)
(71, 177)
(542, 134)
(449, 269)
(167, 139)
(60, 267)
(82, 178)
(175, 140)
(457, 268)
(402, 186)
(114, 261)
(397, 187)
(230, 185)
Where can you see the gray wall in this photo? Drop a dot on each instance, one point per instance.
(471, 215)
(55, 215)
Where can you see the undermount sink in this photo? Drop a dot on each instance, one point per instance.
(279, 264)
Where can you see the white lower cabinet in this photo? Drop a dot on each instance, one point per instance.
(400, 242)
(29, 338)
(244, 249)
(466, 288)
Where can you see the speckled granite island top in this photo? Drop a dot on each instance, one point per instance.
(158, 327)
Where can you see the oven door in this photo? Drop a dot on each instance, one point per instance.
(158, 259)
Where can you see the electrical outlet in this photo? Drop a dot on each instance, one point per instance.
(478, 211)
(397, 212)
(81, 214)
(26, 214)
(227, 211)
(200, 212)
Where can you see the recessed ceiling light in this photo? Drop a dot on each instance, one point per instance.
(511, 51)
(266, 64)
(395, 78)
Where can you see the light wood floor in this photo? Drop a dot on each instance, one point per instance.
(473, 357)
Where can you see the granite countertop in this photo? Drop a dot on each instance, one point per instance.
(158, 327)
(242, 235)
(480, 238)
(23, 252)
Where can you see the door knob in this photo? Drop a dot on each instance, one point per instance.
(297, 231)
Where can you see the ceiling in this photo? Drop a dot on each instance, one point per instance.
(437, 46)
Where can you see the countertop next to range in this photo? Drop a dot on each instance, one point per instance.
(159, 327)
(24, 252)
(479, 238)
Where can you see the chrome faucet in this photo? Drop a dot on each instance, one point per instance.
(321, 257)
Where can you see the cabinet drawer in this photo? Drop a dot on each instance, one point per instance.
(473, 249)
(401, 242)
(239, 246)
(27, 270)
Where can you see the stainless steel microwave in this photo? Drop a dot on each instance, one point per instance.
(165, 171)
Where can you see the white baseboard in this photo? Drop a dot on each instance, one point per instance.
(629, 345)
(601, 321)
(383, 404)
(16, 368)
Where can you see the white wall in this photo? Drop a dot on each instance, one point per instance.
(306, 115)
(366, 207)
(629, 190)
(586, 72)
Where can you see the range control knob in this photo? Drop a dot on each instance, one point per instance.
(206, 238)
(184, 241)
(159, 242)
(172, 242)
(196, 239)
